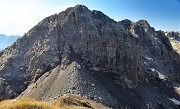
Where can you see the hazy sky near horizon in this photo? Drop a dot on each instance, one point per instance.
(18, 16)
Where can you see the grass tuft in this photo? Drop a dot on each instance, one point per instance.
(26, 103)
(64, 102)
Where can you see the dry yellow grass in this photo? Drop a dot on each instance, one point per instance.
(177, 46)
(64, 102)
(72, 101)
(27, 103)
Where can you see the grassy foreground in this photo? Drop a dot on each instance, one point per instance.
(64, 102)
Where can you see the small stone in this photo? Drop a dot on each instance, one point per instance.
(146, 80)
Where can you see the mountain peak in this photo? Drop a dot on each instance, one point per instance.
(143, 22)
(145, 25)
(87, 53)
(80, 7)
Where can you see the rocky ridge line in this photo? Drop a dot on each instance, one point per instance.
(85, 52)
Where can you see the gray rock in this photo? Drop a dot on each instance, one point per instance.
(54, 58)
(97, 38)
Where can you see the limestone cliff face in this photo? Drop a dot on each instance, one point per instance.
(80, 51)
(99, 40)
(156, 48)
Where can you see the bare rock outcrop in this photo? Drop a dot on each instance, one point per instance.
(121, 64)
(99, 40)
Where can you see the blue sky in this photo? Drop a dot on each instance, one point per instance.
(18, 16)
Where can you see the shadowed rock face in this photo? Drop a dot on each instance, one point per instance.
(84, 52)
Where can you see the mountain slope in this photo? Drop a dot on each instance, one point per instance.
(121, 64)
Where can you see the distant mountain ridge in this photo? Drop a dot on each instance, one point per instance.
(6, 41)
(174, 38)
(173, 35)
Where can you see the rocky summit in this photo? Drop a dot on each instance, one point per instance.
(120, 64)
